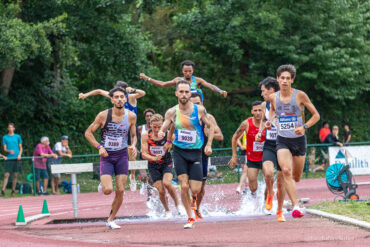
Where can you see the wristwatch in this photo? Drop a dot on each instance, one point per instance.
(305, 126)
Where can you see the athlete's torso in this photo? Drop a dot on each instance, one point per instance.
(272, 133)
(155, 147)
(254, 148)
(114, 135)
(188, 130)
(290, 116)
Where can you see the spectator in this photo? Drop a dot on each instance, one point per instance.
(333, 137)
(12, 144)
(347, 134)
(42, 149)
(62, 150)
(324, 131)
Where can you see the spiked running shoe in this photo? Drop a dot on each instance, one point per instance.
(280, 216)
(112, 225)
(190, 224)
(297, 213)
(268, 204)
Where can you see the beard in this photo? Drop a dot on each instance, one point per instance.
(183, 101)
(119, 106)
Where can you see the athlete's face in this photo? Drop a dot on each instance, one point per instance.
(148, 116)
(118, 99)
(183, 93)
(187, 70)
(285, 80)
(11, 129)
(196, 100)
(156, 126)
(265, 93)
(257, 112)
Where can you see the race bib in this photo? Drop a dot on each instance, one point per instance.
(187, 136)
(288, 123)
(258, 146)
(157, 150)
(271, 134)
(113, 142)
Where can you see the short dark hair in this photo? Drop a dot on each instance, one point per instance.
(115, 89)
(257, 102)
(286, 67)
(121, 84)
(182, 82)
(12, 124)
(187, 63)
(270, 82)
(148, 110)
(349, 126)
(195, 94)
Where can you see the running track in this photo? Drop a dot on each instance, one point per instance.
(213, 231)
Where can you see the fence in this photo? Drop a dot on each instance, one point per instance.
(315, 166)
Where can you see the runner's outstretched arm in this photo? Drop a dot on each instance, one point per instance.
(160, 83)
(214, 88)
(93, 93)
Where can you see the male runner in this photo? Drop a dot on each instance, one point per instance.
(115, 124)
(269, 86)
(288, 105)
(132, 95)
(159, 161)
(188, 142)
(254, 148)
(187, 67)
(196, 99)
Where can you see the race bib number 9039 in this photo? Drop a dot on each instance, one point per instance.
(187, 136)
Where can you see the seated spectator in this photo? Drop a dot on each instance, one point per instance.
(42, 149)
(324, 131)
(62, 150)
(347, 134)
(333, 137)
(312, 160)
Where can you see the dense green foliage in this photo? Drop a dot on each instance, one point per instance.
(62, 47)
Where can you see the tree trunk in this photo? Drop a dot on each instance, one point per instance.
(6, 80)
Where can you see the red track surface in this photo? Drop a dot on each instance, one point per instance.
(213, 231)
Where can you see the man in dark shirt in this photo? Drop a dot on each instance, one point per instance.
(333, 137)
(347, 134)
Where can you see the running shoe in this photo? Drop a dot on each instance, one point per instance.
(168, 215)
(194, 203)
(198, 215)
(268, 204)
(132, 183)
(238, 190)
(297, 212)
(280, 216)
(100, 188)
(112, 225)
(190, 224)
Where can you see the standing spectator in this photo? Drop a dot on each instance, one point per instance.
(42, 149)
(12, 144)
(347, 134)
(62, 150)
(333, 137)
(324, 131)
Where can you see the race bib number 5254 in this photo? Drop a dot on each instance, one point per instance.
(288, 123)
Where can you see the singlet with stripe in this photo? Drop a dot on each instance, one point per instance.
(188, 130)
(272, 133)
(130, 107)
(254, 148)
(155, 147)
(114, 135)
(194, 87)
(290, 116)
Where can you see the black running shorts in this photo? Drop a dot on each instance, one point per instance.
(297, 146)
(270, 154)
(157, 171)
(254, 164)
(188, 161)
